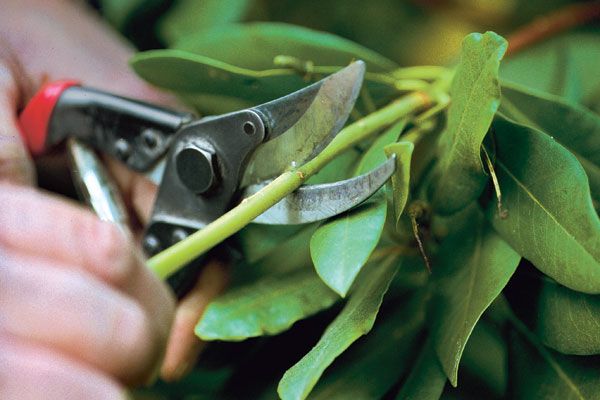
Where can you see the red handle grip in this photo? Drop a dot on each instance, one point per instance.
(35, 118)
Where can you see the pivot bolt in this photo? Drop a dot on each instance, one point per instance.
(196, 168)
(150, 138)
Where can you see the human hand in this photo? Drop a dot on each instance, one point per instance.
(49, 40)
(80, 314)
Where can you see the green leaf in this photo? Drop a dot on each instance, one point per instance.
(572, 125)
(206, 82)
(202, 383)
(475, 91)
(401, 177)
(485, 358)
(472, 268)
(551, 220)
(259, 240)
(231, 67)
(565, 66)
(374, 364)
(338, 169)
(266, 307)
(254, 46)
(212, 86)
(355, 320)
(568, 321)
(540, 373)
(427, 379)
(188, 17)
(266, 257)
(375, 155)
(341, 246)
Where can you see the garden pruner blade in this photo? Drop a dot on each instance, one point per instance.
(304, 123)
(298, 125)
(200, 163)
(210, 159)
(312, 203)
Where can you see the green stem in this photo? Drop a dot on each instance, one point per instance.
(427, 72)
(402, 79)
(172, 259)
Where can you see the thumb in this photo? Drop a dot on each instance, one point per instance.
(15, 163)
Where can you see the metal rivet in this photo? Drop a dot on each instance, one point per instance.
(150, 138)
(122, 149)
(249, 128)
(151, 244)
(178, 235)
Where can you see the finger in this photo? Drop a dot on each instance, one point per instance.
(28, 219)
(15, 162)
(32, 373)
(138, 192)
(184, 346)
(61, 308)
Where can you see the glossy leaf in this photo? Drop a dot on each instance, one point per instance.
(427, 379)
(572, 125)
(255, 45)
(338, 169)
(472, 268)
(539, 373)
(373, 365)
(259, 240)
(565, 66)
(213, 86)
(190, 75)
(568, 321)
(551, 220)
(266, 257)
(188, 17)
(475, 91)
(486, 358)
(401, 178)
(267, 307)
(341, 246)
(356, 319)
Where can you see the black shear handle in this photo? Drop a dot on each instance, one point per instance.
(135, 132)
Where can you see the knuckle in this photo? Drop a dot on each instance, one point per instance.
(112, 253)
(109, 241)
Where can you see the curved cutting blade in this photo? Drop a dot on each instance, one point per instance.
(301, 124)
(318, 202)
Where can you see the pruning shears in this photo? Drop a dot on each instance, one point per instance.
(203, 166)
